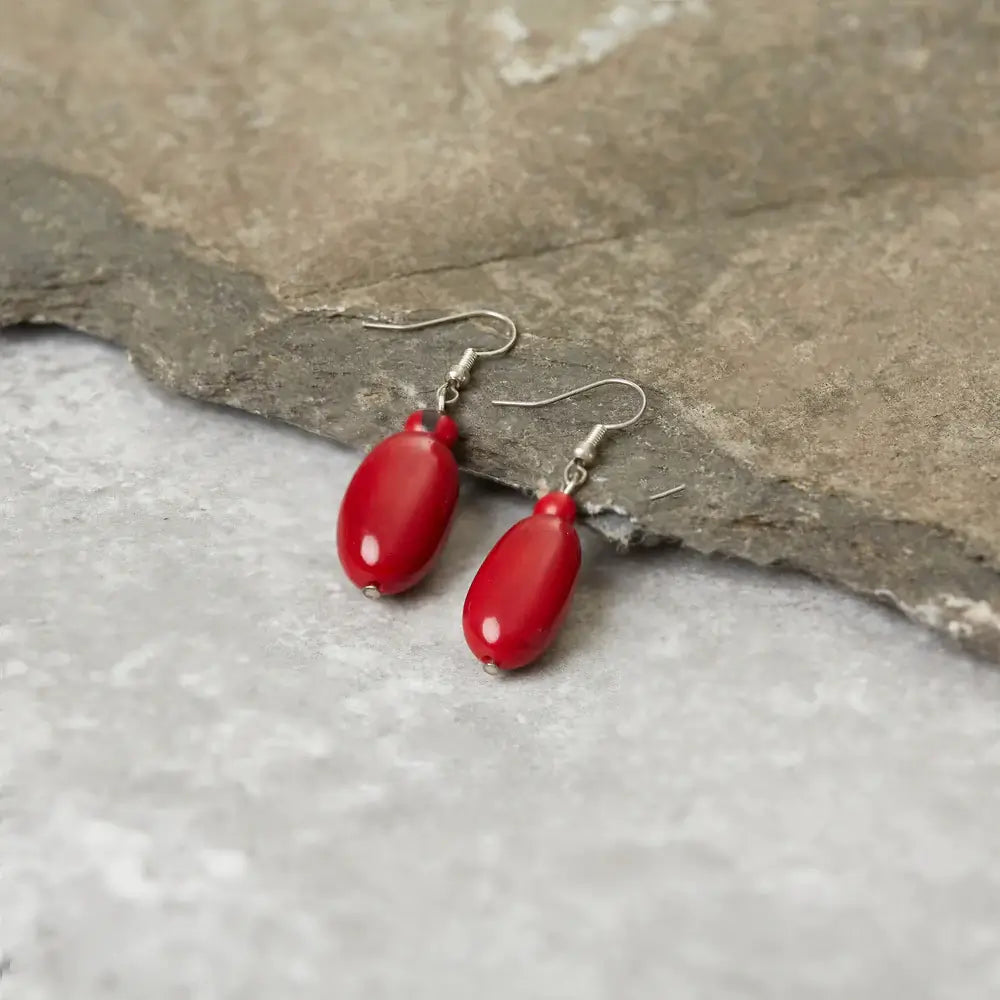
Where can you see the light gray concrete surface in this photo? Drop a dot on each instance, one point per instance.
(223, 774)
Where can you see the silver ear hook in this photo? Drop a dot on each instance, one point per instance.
(584, 454)
(458, 376)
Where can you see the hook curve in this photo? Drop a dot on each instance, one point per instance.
(616, 380)
(455, 318)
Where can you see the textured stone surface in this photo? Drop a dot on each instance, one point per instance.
(783, 217)
(224, 774)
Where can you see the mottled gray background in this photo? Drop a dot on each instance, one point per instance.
(223, 774)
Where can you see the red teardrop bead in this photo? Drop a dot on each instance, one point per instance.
(395, 515)
(522, 592)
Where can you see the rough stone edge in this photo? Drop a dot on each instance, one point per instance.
(87, 265)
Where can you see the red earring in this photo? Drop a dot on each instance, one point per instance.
(522, 592)
(395, 515)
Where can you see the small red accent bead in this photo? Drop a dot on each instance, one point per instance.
(559, 505)
(521, 594)
(438, 425)
(395, 515)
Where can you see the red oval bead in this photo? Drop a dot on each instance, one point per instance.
(395, 515)
(522, 592)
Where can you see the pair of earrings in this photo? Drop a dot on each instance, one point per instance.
(395, 516)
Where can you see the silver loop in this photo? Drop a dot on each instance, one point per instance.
(447, 394)
(574, 476)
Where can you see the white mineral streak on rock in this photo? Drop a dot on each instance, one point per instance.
(619, 26)
(960, 617)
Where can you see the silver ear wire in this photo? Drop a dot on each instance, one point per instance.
(459, 374)
(585, 453)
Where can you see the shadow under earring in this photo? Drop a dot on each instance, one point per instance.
(522, 592)
(398, 507)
